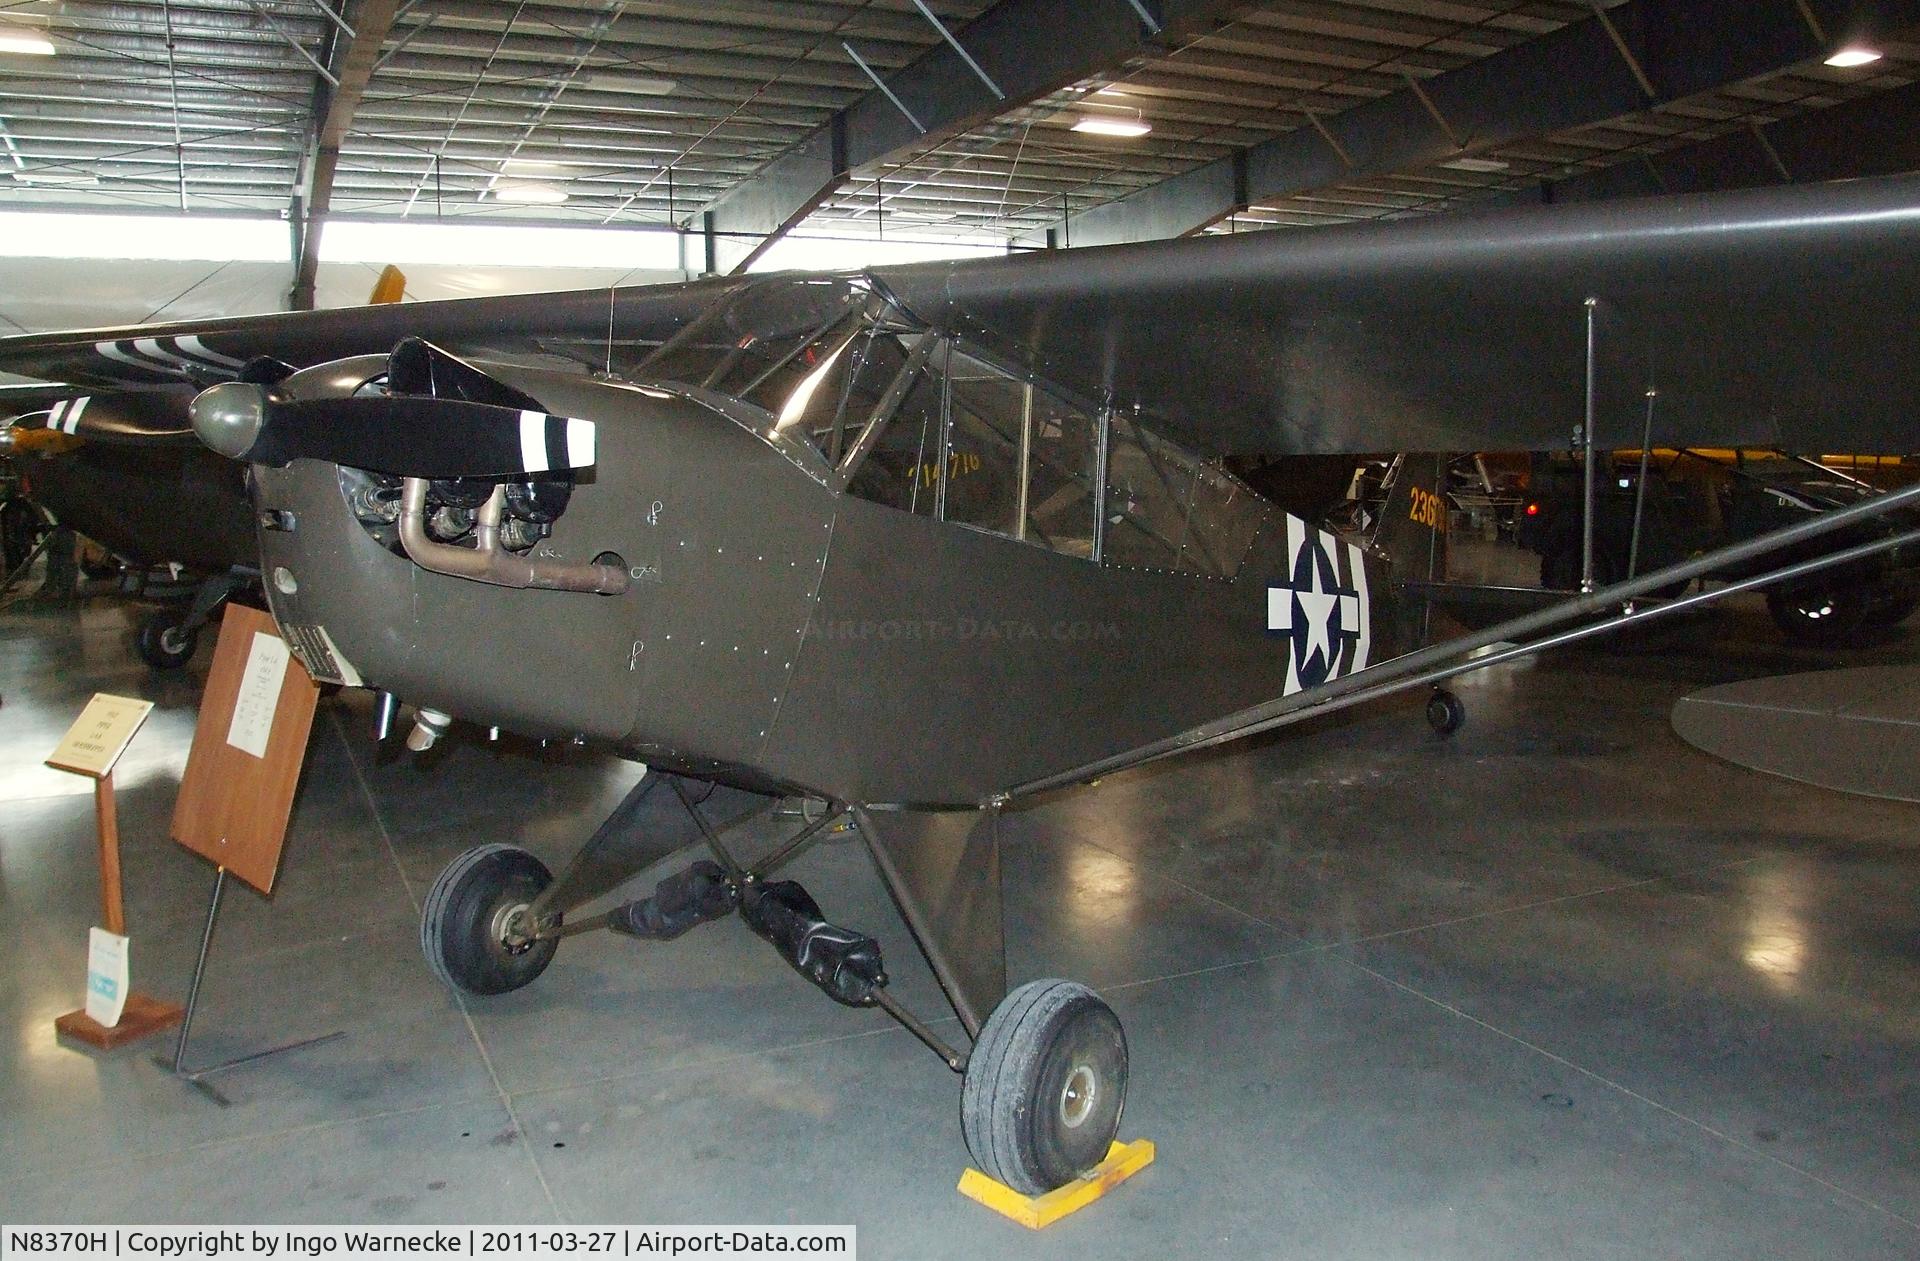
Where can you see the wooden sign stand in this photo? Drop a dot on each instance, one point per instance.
(237, 794)
(91, 748)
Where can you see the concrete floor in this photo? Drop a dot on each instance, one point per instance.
(1558, 987)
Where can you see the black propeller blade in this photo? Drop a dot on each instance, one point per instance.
(403, 435)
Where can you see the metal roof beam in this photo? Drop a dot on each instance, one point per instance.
(333, 115)
(1620, 62)
(1027, 48)
(1874, 135)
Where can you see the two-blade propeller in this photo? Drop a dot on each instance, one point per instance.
(443, 418)
(403, 435)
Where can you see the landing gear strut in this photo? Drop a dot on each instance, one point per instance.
(167, 637)
(1045, 1080)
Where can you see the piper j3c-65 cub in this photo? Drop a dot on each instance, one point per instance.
(752, 530)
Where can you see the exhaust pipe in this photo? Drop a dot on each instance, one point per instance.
(487, 561)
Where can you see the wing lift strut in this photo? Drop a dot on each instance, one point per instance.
(1606, 611)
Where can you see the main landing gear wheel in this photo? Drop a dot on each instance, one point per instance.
(165, 642)
(472, 924)
(1446, 713)
(1044, 1086)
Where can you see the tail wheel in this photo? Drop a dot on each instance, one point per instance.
(473, 929)
(165, 641)
(1446, 713)
(1044, 1086)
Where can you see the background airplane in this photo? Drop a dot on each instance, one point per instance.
(122, 468)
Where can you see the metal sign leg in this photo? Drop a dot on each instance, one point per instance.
(177, 1065)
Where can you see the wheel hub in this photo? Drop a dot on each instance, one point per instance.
(1078, 1096)
(509, 928)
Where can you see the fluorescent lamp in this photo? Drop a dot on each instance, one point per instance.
(1854, 55)
(1132, 128)
(72, 178)
(530, 194)
(634, 84)
(1482, 166)
(526, 166)
(23, 39)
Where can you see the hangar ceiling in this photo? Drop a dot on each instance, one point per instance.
(951, 119)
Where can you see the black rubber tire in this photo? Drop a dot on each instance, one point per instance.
(1822, 619)
(458, 921)
(1045, 1086)
(1446, 713)
(164, 642)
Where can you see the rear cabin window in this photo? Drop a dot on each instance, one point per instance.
(1167, 509)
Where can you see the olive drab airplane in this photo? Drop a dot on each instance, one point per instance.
(751, 530)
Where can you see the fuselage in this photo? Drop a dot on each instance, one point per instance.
(783, 629)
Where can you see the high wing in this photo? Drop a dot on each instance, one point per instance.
(1780, 317)
(1783, 316)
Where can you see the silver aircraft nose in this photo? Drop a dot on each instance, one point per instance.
(228, 417)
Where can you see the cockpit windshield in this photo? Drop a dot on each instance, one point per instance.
(768, 343)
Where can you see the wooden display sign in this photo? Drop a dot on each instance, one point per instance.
(100, 735)
(114, 1013)
(248, 746)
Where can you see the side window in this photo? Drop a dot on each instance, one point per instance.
(1149, 490)
(957, 440)
(1166, 509)
(1062, 470)
(903, 468)
(845, 382)
(1225, 518)
(1046, 497)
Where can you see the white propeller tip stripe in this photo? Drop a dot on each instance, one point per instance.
(580, 443)
(533, 442)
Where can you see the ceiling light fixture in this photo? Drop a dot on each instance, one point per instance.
(75, 179)
(633, 84)
(1855, 55)
(530, 194)
(1480, 166)
(23, 39)
(1131, 128)
(528, 166)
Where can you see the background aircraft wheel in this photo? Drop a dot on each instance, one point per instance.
(164, 642)
(465, 921)
(1446, 713)
(1044, 1086)
(1830, 618)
